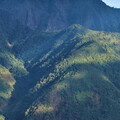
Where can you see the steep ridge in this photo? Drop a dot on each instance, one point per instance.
(11, 31)
(50, 15)
(75, 77)
(70, 74)
(10, 68)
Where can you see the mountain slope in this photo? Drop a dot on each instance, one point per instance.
(70, 74)
(75, 77)
(53, 15)
(10, 68)
(11, 31)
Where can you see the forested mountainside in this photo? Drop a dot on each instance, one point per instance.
(71, 74)
(50, 15)
(59, 60)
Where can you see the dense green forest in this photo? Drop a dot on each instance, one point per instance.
(59, 60)
(72, 74)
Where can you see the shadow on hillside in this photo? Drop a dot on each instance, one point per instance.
(92, 81)
(20, 99)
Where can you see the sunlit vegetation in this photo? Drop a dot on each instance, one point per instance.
(7, 82)
(2, 117)
(84, 81)
(70, 75)
(11, 68)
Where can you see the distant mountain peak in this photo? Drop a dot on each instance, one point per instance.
(53, 15)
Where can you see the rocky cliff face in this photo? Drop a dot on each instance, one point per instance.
(50, 15)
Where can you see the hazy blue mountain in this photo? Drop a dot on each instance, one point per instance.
(49, 15)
